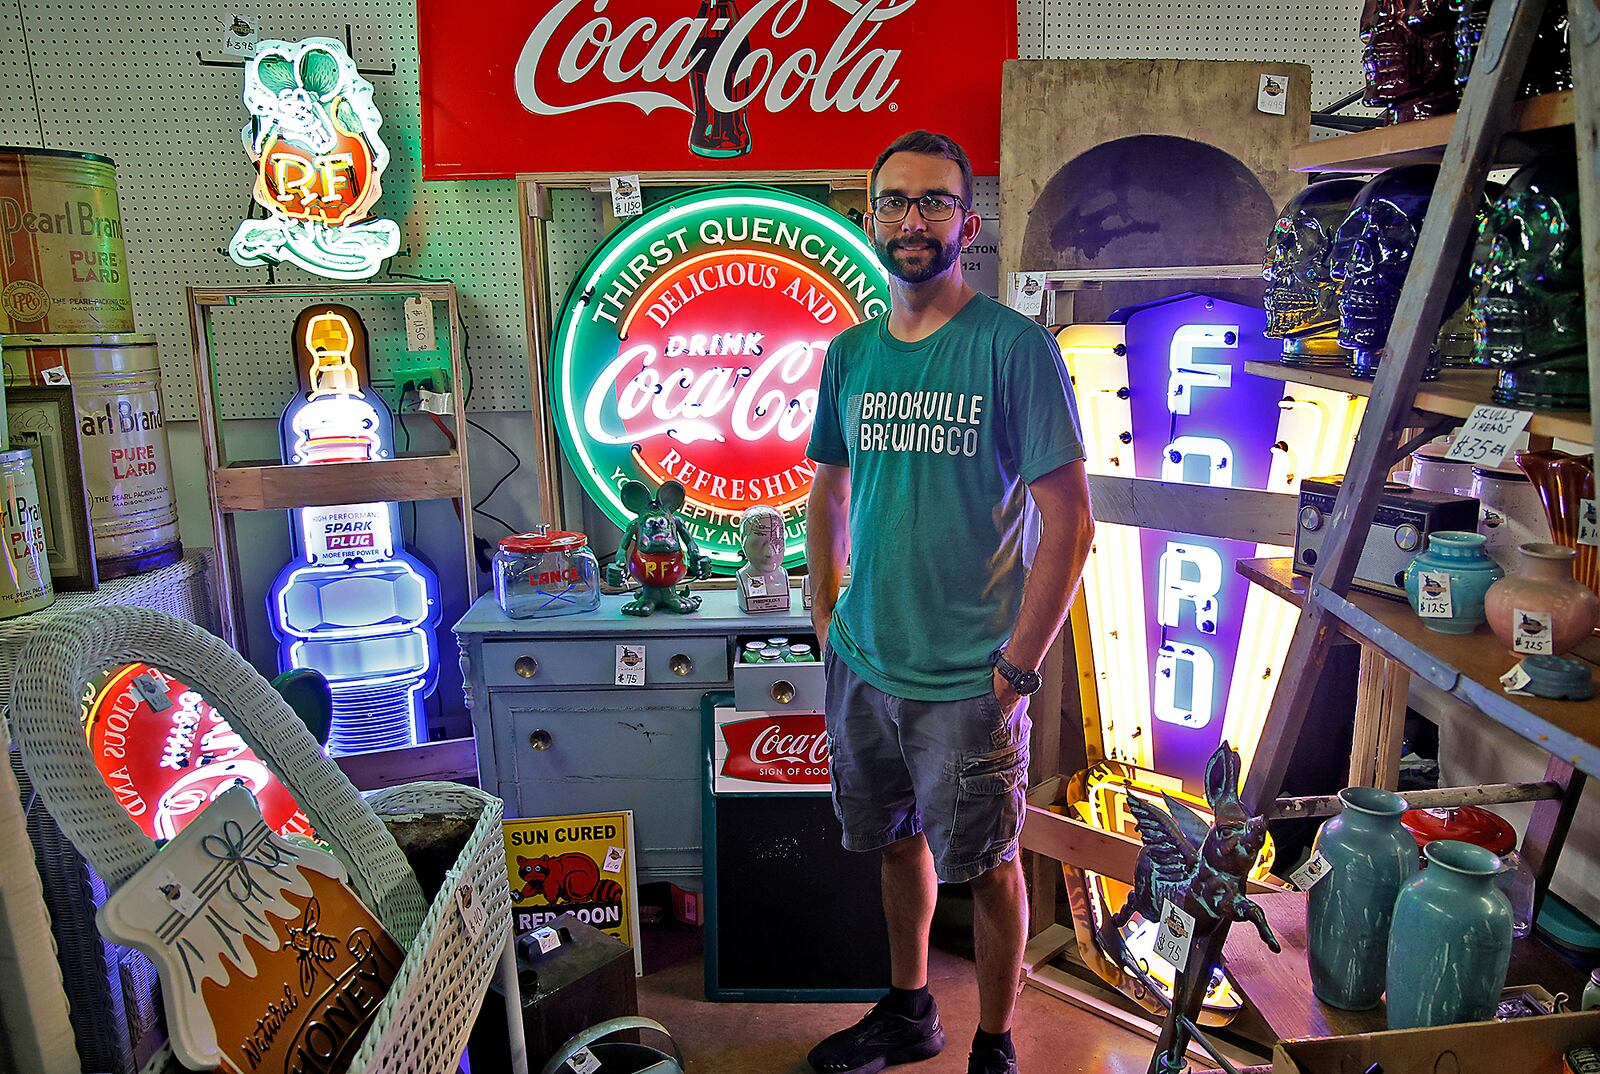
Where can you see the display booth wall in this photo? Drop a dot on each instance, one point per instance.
(126, 81)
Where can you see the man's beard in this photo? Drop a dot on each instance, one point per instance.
(933, 257)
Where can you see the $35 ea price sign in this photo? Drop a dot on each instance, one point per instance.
(1488, 435)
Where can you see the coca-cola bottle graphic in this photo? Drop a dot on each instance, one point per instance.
(717, 133)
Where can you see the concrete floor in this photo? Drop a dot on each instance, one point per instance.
(1052, 1037)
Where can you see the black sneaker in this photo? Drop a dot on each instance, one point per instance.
(991, 1061)
(879, 1040)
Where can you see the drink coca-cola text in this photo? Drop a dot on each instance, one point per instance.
(847, 76)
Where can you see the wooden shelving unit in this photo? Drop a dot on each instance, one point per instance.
(1453, 395)
(1466, 666)
(1423, 141)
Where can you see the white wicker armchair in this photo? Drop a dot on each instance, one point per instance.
(424, 1022)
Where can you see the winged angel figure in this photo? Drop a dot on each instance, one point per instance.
(1201, 868)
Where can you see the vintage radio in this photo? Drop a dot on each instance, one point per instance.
(1399, 530)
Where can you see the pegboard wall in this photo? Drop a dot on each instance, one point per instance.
(1321, 33)
(124, 80)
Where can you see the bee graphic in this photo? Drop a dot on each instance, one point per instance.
(624, 188)
(311, 945)
(1175, 927)
(631, 658)
(1272, 88)
(1531, 626)
(1589, 518)
(1432, 587)
(240, 28)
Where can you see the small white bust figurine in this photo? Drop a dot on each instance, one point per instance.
(763, 583)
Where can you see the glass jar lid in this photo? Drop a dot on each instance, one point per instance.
(1468, 824)
(544, 540)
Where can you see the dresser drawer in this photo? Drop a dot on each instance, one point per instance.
(591, 663)
(796, 687)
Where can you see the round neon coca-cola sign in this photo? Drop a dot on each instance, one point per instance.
(691, 346)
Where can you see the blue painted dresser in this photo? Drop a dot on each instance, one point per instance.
(555, 736)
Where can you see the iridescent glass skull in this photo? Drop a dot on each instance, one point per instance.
(1371, 256)
(1549, 66)
(1409, 56)
(1527, 302)
(1301, 295)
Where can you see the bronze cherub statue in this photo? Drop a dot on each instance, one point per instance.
(1202, 870)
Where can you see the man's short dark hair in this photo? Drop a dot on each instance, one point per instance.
(929, 144)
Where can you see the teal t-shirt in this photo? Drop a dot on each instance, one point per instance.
(941, 437)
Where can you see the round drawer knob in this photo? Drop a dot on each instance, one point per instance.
(680, 665)
(782, 691)
(526, 666)
(541, 740)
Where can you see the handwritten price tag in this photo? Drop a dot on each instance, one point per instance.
(613, 862)
(549, 939)
(627, 196)
(419, 323)
(1588, 524)
(1027, 293)
(1516, 681)
(1532, 632)
(584, 1062)
(1489, 435)
(1305, 878)
(630, 665)
(1433, 595)
(1175, 936)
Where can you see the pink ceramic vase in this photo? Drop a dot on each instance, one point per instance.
(1543, 584)
(1564, 481)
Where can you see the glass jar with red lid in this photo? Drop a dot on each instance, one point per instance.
(1470, 824)
(546, 572)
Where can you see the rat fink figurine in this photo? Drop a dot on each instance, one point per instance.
(660, 551)
(763, 583)
(1202, 872)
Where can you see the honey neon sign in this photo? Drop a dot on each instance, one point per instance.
(314, 140)
(1185, 651)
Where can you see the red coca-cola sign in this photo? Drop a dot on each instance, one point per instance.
(665, 85)
(785, 749)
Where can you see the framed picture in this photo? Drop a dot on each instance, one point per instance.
(42, 419)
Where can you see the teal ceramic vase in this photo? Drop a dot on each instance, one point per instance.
(1460, 556)
(1450, 942)
(1370, 857)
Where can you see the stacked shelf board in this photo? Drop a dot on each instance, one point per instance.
(1537, 122)
(1466, 666)
(1454, 395)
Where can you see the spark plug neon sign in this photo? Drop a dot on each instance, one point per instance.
(314, 140)
(1185, 650)
(691, 348)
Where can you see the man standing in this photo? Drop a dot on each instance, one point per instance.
(934, 425)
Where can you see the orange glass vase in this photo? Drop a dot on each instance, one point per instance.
(1564, 482)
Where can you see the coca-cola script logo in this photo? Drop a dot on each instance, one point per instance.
(691, 348)
(768, 84)
(777, 749)
(167, 753)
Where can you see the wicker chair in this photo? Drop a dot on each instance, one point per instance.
(424, 1021)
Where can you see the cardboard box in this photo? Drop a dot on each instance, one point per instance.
(1520, 1046)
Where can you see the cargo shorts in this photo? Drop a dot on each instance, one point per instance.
(955, 771)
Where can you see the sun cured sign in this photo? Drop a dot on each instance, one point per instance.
(691, 346)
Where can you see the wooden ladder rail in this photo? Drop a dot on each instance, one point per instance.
(1485, 115)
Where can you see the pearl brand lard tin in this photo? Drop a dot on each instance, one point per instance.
(25, 582)
(545, 573)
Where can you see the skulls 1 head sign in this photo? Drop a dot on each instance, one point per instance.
(690, 348)
(314, 139)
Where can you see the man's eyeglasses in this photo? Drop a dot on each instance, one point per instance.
(892, 208)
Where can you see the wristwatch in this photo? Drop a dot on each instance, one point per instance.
(1023, 682)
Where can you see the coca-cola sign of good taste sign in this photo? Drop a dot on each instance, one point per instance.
(618, 86)
(690, 348)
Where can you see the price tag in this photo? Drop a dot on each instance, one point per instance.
(627, 196)
(152, 692)
(1515, 681)
(613, 862)
(434, 402)
(419, 324)
(1433, 595)
(56, 374)
(242, 35)
(1273, 96)
(1175, 936)
(1488, 436)
(1305, 878)
(1027, 293)
(584, 1062)
(474, 911)
(180, 898)
(630, 665)
(1532, 632)
(548, 939)
(1588, 524)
